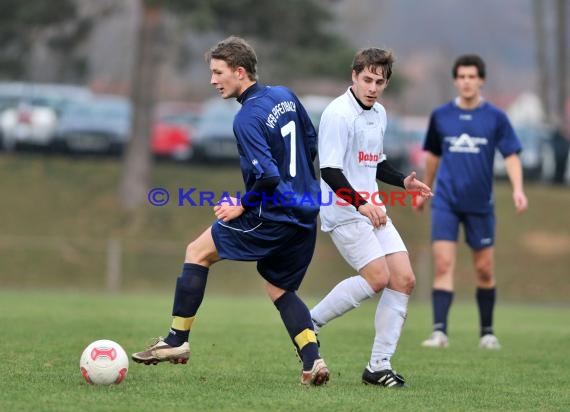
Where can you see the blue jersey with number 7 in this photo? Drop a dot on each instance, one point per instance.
(275, 137)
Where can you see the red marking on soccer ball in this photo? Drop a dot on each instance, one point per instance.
(86, 375)
(122, 375)
(103, 352)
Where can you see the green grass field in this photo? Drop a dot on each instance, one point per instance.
(243, 360)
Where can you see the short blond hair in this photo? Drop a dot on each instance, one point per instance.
(236, 52)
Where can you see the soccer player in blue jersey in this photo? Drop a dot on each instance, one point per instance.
(277, 144)
(461, 141)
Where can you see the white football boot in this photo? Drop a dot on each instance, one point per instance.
(489, 341)
(438, 339)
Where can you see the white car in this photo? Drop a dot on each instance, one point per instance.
(28, 123)
(33, 119)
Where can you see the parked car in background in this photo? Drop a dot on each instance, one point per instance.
(30, 122)
(396, 144)
(101, 124)
(30, 112)
(171, 141)
(10, 94)
(174, 128)
(415, 129)
(315, 105)
(181, 113)
(214, 138)
(536, 157)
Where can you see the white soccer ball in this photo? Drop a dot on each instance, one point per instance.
(104, 362)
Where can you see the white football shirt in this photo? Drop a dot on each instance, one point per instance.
(350, 139)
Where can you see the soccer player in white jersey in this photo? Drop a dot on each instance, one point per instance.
(461, 141)
(351, 135)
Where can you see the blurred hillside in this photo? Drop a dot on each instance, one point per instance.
(61, 228)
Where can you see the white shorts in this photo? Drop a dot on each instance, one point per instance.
(359, 243)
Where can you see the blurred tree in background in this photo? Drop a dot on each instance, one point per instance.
(57, 23)
(297, 35)
(552, 72)
(19, 25)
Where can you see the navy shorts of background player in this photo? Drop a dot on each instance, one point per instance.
(465, 141)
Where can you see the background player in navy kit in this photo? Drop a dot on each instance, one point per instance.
(277, 145)
(461, 141)
(351, 137)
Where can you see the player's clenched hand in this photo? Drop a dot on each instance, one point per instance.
(376, 215)
(228, 210)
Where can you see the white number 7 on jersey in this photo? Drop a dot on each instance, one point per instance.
(289, 129)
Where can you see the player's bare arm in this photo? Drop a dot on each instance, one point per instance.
(432, 164)
(514, 171)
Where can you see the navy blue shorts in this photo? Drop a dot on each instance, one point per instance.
(282, 251)
(479, 228)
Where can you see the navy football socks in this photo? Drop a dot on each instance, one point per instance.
(297, 320)
(486, 303)
(441, 301)
(190, 288)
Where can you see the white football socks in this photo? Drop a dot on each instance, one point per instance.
(345, 296)
(388, 322)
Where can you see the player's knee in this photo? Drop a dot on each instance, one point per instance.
(404, 282)
(192, 253)
(484, 265)
(443, 265)
(409, 282)
(273, 291)
(378, 281)
(484, 271)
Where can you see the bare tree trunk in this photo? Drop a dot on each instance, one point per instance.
(137, 163)
(561, 59)
(541, 58)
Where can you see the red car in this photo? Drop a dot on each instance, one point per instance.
(172, 132)
(171, 141)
